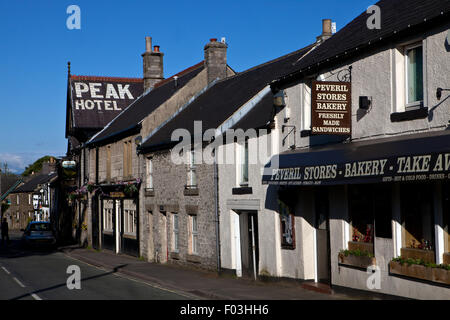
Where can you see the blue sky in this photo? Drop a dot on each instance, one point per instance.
(36, 45)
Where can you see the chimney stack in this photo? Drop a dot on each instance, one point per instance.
(326, 30)
(153, 65)
(216, 60)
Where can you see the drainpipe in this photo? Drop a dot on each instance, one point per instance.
(216, 191)
(96, 165)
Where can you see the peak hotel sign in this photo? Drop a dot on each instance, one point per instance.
(103, 96)
(331, 108)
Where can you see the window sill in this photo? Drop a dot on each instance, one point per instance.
(356, 261)
(175, 255)
(242, 190)
(149, 192)
(193, 258)
(412, 114)
(191, 191)
(108, 233)
(130, 236)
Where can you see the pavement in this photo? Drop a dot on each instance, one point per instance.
(200, 283)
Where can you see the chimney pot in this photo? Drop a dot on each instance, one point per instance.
(326, 27)
(213, 39)
(156, 48)
(148, 44)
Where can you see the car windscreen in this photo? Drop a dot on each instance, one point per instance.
(40, 227)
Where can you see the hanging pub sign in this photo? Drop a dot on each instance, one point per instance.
(331, 108)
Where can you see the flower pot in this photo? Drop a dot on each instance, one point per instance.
(357, 261)
(425, 255)
(447, 258)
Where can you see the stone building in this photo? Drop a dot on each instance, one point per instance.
(92, 102)
(117, 171)
(370, 198)
(28, 203)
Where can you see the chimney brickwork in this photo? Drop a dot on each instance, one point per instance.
(153, 65)
(216, 60)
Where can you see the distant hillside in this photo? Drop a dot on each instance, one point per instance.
(36, 166)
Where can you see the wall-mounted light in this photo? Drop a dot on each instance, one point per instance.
(439, 93)
(365, 102)
(138, 140)
(279, 99)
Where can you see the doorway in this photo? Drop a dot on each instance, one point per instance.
(247, 247)
(322, 236)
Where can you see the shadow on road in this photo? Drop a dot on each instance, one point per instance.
(62, 285)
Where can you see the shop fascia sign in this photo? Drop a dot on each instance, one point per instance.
(69, 165)
(434, 166)
(331, 112)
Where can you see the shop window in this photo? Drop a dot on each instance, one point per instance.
(108, 207)
(370, 215)
(130, 219)
(287, 222)
(417, 222)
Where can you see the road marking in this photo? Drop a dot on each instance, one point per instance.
(18, 282)
(6, 270)
(35, 296)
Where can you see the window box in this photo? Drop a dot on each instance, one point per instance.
(359, 261)
(414, 114)
(447, 258)
(361, 246)
(412, 253)
(418, 271)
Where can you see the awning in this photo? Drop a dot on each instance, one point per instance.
(413, 157)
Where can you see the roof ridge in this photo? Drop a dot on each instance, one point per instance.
(104, 78)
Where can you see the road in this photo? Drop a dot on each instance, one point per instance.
(42, 275)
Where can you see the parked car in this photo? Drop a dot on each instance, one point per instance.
(39, 234)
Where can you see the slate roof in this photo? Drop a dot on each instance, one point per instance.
(8, 183)
(100, 115)
(398, 17)
(137, 111)
(33, 183)
(222, 99)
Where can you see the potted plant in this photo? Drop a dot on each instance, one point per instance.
(420, 269)
(357, 258)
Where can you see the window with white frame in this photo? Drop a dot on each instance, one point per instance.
(175, 229)
(130, 219)
(192, 171)
(108, 208)
(193, 234)
(408, 74)
(149, 169)
(243, 163)
(414, 74)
